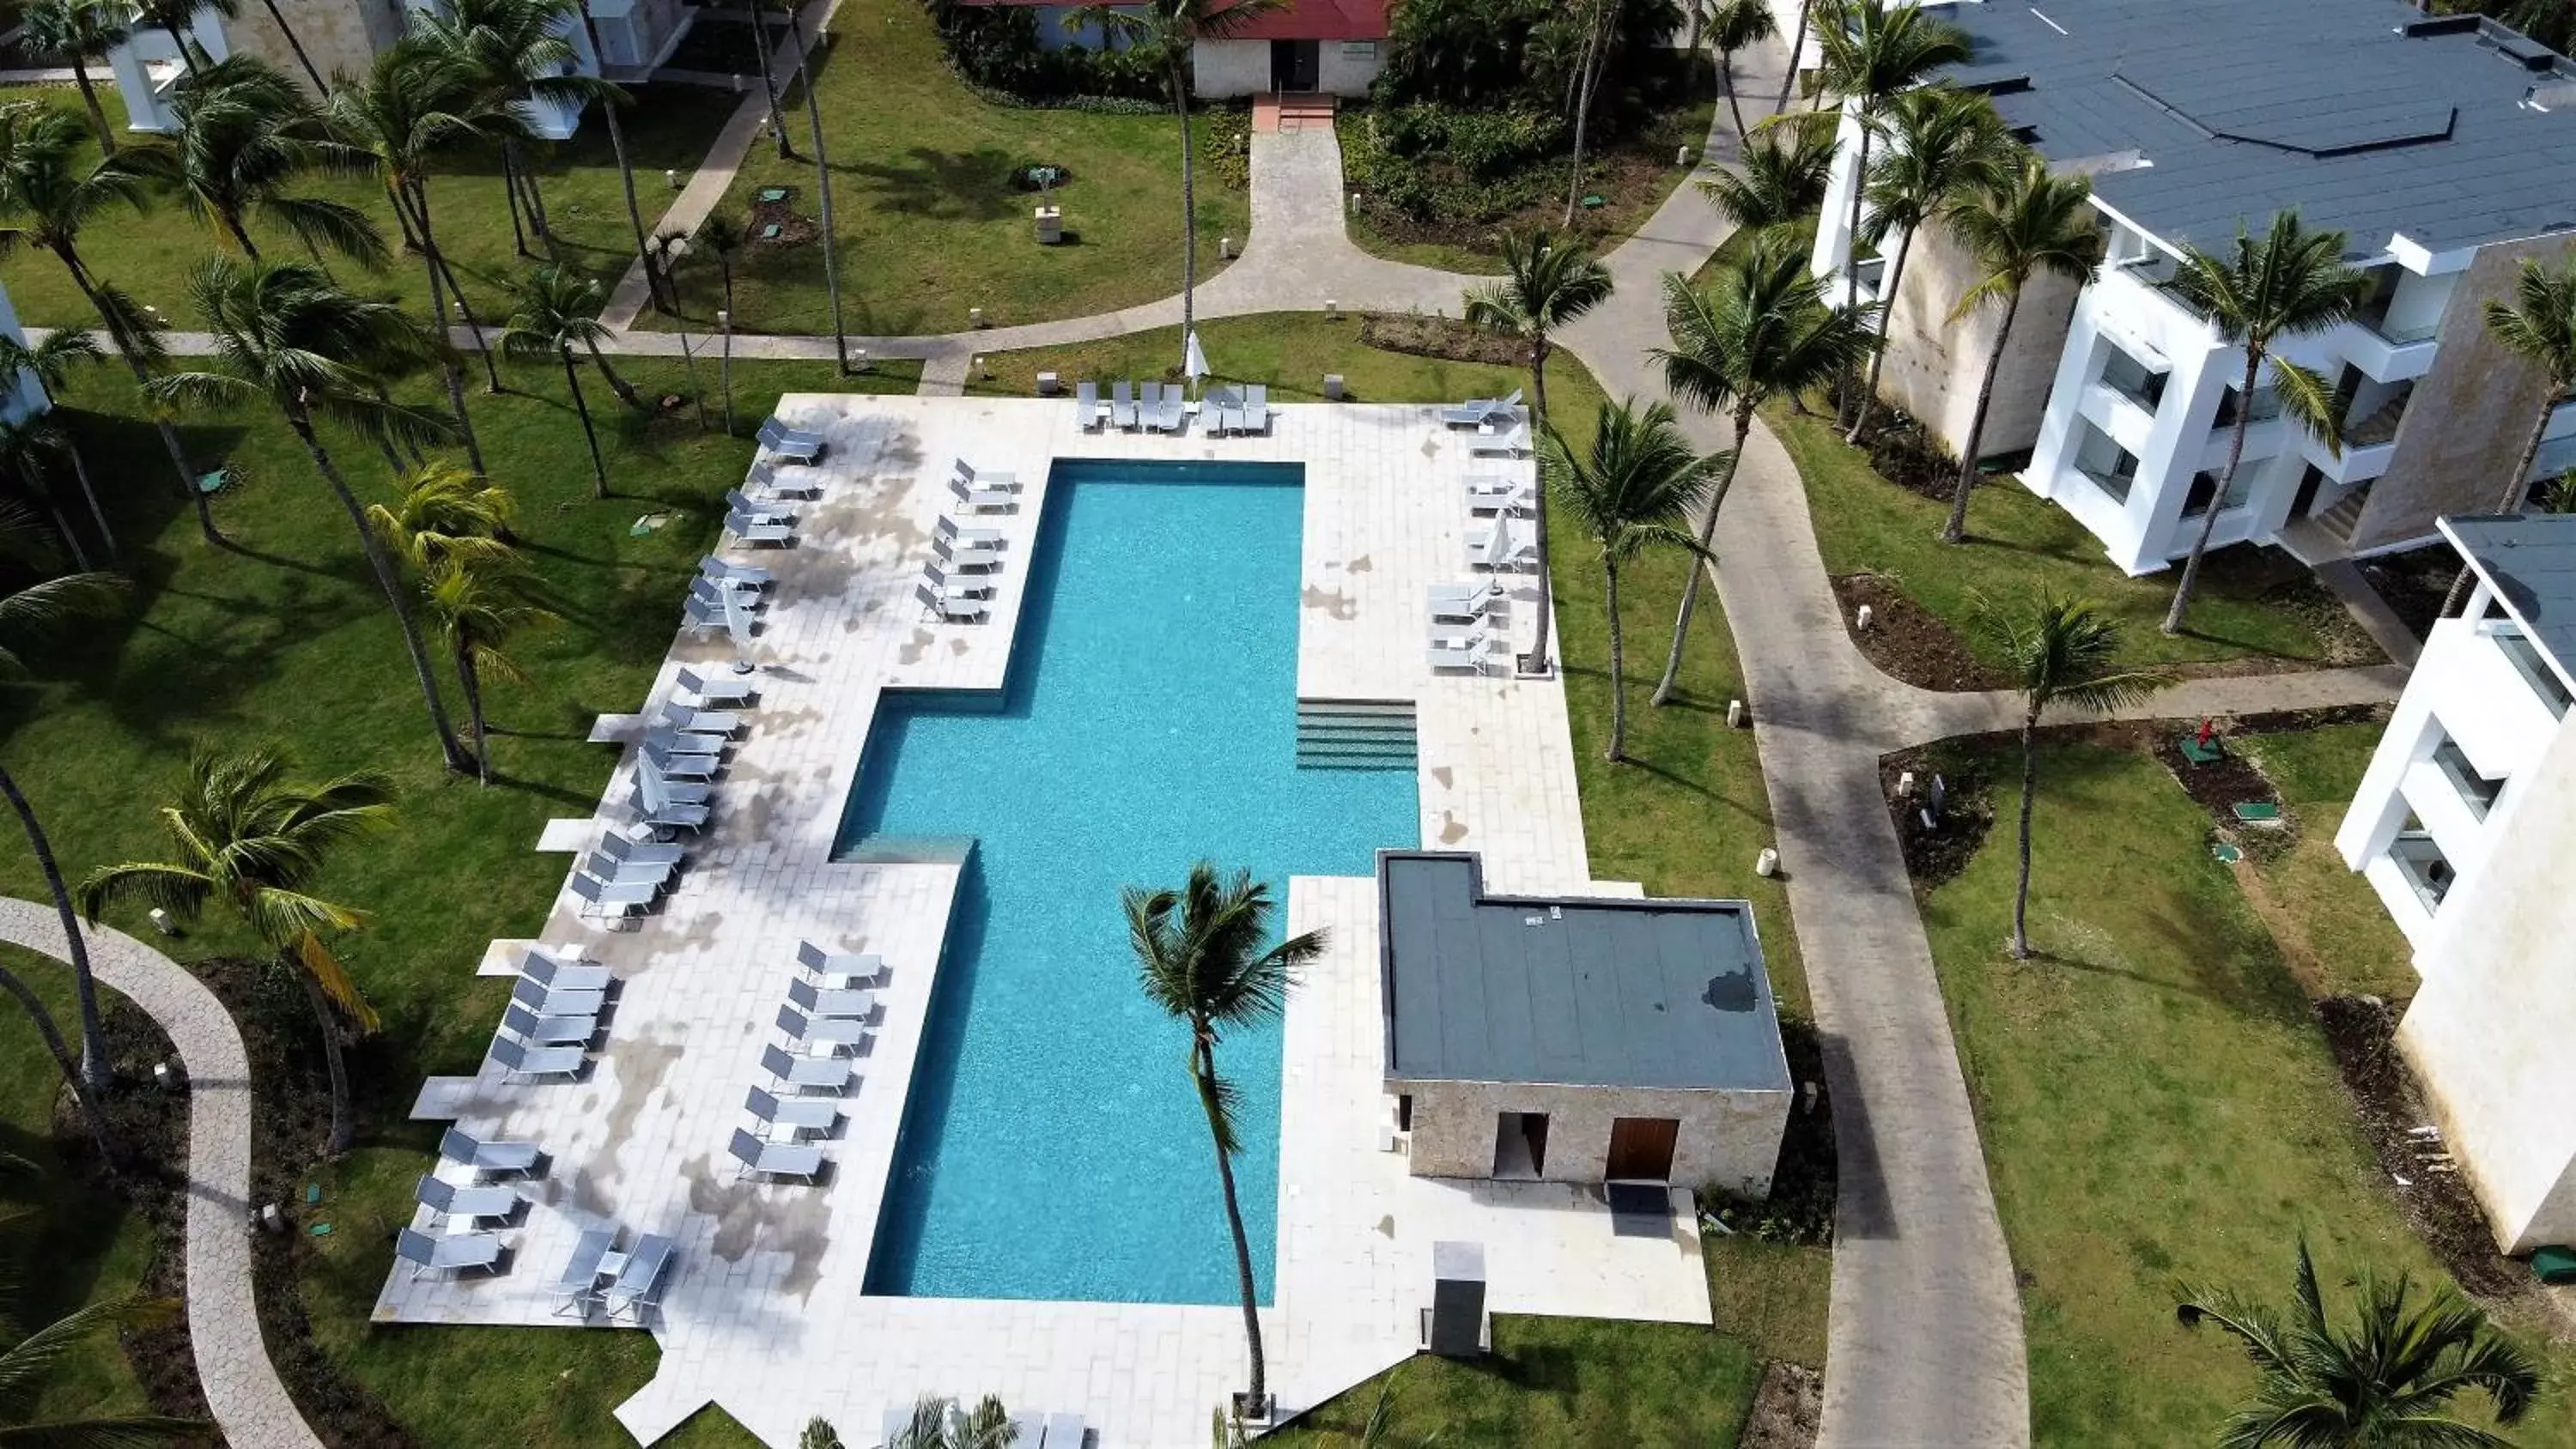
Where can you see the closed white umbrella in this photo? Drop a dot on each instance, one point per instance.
(648, 783)
(738, 628)
(1194, 361)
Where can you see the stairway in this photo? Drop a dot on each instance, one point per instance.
(1292, 111)
(2346, 512)
(1355, 734)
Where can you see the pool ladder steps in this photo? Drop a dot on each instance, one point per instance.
(1355, 734)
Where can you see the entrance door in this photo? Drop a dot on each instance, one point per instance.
(1296, 65)
(2309, 482)
(1520, 1145)
(1641, 1149)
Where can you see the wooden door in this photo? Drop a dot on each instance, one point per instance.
(1641, 1149)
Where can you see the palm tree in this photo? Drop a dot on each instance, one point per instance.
(1597, 33)
(249, 841)
(1548, 281)
(519, 51)
(473, 603)
(1760, 331)
(1943, 143)
(1780, 178)
(445, 513)
(1199, 957)
(2381, 1382)
(49, 362)
(2058, 651)
(823, 189)
(1637, 488)
(557, 310)
(1872, 53)
(2538, 326)
(245, 133)
(626, 168)
(72, 31)
(32, 452)
(175, 18)
(283, 332)
(2024, 223)
(27, 1367)
(725, 238)
(1172, 29)
(1733, 26)
(938, 1423)
(2290, 283)
(52, 199)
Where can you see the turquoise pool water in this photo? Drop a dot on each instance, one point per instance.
(1053, 1147)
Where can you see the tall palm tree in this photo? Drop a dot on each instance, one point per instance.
(27, 1367)
(49, 362)
(521, 52)
(474, 602)
(558, 311)
(1735, 26)
(283, 332)
(1548, 281)
(72, 32)
(2058, 651)
(1942, 144)
(2025, 223)
(2290, 282)
(626, 167)
(175, 18)
(1636, 489)
(33, 451)
(823, 187)
(1200, 957)
(249, 841)
(2538, 326)
(445, 513)
(2382, 1381)
(1874, 52)
(246, 133)
(1597, 33)
(51, 199)
(1780, 178)
(765, 59)
(1760, 331)
(1171, 30)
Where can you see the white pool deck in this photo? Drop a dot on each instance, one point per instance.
(764, 1314)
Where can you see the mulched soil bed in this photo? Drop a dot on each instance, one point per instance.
(1442, 337)
(1966, 768)
(1628, 174)
(2413, 583)
(1787, 1408)
(1908, 641)
(794, 228)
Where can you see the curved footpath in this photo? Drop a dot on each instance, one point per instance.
(241, 1386)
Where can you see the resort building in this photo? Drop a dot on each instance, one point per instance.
(2437, 145)
(23, 396)
(2464, 824)
(1329, 46)
(1574, 1039)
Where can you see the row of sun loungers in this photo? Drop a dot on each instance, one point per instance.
(956, 587)
(790, 445)
(1164, 408)
(552, 1017)
(753, 516)
(626, 1284)
(825, 1022)
(473, 1200)
(1235, 410)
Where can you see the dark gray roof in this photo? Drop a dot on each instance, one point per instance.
(2241, 108)
(1585, 990)
(2530, 560)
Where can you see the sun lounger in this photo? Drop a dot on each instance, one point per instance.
(1503, 546)
(1476, 412)
(678, 796)
(796, 1114)
(718, 689)
(808, 1074)
(614, 898)
(1066, 1431)
(719, 724)
(1458, 651)
(743, 505)
(449, 1200)
(956, 588)
(837, 967)
(966, 560)
(774, 1159)
(516, 1060)
(629, 872)
(846, 1002)
(712, 567)
(1511, 442)
(967, 474)
(559, 974)
(823, 1031)
(677, 766)
(1175, 414)
(767, 486)
(1464, 605)
(1086, 405)
(537, 1030)
(758, 531)
(687, 815)
(578, 1288)
(1122, 405)
(721, 592)
(514, 1159)
(638, 1286)
(451, 1254)
(556, 1000)
(674, 740)
(700, 617)
(625, 851)
(983, 500)
(1219, 407)
(1256, 410)
(943, 609)
(960, 536)
(789, 444)
(1028, 1427)
(1483, 487)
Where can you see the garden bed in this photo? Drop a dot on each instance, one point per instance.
(2414, 583)
(1966, 768)
(1788, 1408)
(1446, 338)
(1908, 641)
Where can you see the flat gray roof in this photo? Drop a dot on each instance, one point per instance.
(2369, 116)
(1585, 990)
(2530, 561)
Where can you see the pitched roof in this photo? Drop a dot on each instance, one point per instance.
(2369, 116)
(2530, 561)
(1295, 20)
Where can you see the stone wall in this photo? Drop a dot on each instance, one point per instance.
(341, 37)
(1934, 363)
(1728, 1139)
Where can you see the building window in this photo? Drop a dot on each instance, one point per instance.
(2134, 380)
(2111, 467)
(2476, 791)
(2535, 670)
(2204, 486)
(2267, 405)
(2422, 864)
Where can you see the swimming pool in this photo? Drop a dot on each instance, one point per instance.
(1053, 1147)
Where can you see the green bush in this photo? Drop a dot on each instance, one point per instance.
(996, 49)
(1523, 55)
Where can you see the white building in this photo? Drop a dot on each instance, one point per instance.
(2465, 824)
(22, 397)
(1328, 47)
(2437, 146)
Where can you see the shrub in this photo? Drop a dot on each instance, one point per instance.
(996, 50)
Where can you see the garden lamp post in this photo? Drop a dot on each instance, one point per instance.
(724, 324)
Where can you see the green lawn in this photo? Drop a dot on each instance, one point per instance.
(2350, 945)
(1288, 352)
(2020, 543)
(928, 220)
(668, 128)
(2157, 1104)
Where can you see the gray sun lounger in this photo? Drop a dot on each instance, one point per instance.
(832, 1001)
(558, 1001)
(1512, 442)
(956, 588)
(614, 898)
(629, 872)
(1256, 410)
(1462, 605)
(968, 474)
(451, 1254)
(1122, 405)
(1475, 412)
(678, 815)
(1028, 1426)
(1175, 416)
(939, 606)
(743, 505)
(700, 617)
(718, 569)
(676, 765)
(514, 1159)
(639, 1282)
(720, 593)
(1066, 1430)
(516, 1060)
(641, 852)
(754, 530)
(789, 443)
(1086, 404)
(767, 486)
(823, 1031)
(983, 500)
(565, 1030)
(675, 792)
(808, 1074)
(831, 965)
(720, 724)
(736, 690)
(796, 1114)
(481, 1201)
(578, 1288)
(962, 537)
(564, 974)
(1149, 403)
(674, 740)
(774, 1159)
(966, 560)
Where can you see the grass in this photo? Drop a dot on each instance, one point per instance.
(2157, 1104)
(2343, 935)
(1289, 352)
(2020, 543)
(929, 223)
(668, 128)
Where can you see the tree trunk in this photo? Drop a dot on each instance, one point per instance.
(1735, 107)
(1594, 43)
(510, 196)
(1851, 249)
(2021, 889)
(1797, 46)
(1699, 562)
(63, 530)
(2218, 501)
(1956, 529)
(617, 144)
(386, 579)
(240, 234)
(1618, 663)
(1189, 216)
(537, 219)
(469, 681)
(768, 57)
(447, 363)
(1203, 1068)
(93, 1057)
(823, 191)
(581, 406)
(63, 1063)
(320, 86)
(187, 52)
(97, 112)
(1878, 356)
(327, 1016)
(98, 515)
(726, 368)
(625, 390)
(456, 289)
(689, 363)
(143, 379)
(1537, 660)
(2516, 489)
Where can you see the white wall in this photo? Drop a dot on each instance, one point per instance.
(1349, 67)
(26, 396)
(1220, 69)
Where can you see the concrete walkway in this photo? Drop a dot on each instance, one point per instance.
(241, 1386)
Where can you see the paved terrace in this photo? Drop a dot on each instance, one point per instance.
(765, 1315)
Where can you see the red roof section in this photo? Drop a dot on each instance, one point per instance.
(1297, 20)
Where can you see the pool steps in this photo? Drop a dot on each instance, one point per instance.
(1355, 734)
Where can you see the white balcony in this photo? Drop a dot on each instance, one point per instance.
(2401, 357)
(2352, 465)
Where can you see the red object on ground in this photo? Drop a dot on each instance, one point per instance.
(2205, 731)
